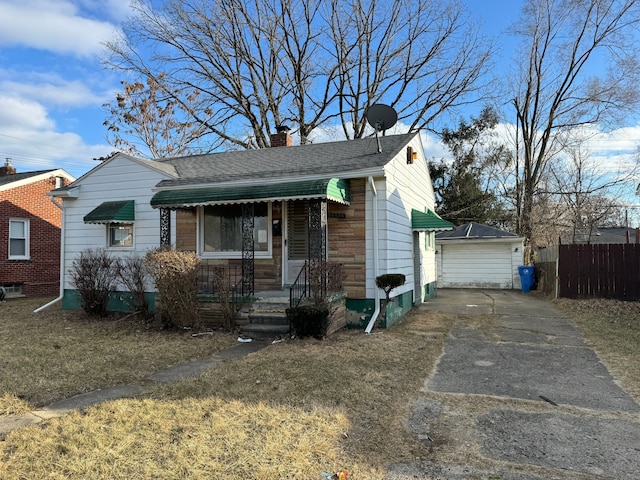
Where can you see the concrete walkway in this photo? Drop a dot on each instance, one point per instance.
(520, 396)
(172, 374)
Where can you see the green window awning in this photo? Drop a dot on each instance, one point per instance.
(333, 189)
(429, 221)
(112, 212)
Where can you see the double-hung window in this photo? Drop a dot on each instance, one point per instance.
(18, 239)
(222, 235)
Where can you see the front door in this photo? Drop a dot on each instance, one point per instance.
(296, 239)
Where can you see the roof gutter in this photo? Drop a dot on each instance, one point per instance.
(374, 203)
(61, 295)
(197, 183)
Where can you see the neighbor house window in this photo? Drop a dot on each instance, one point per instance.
(120, 234)
(18, 239)
(222, 230)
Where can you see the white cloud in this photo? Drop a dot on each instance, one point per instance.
(118, 10)
(30, 137)
(18, 113)
(55, 26)
(51, 90)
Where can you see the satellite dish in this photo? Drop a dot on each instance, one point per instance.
(381, 117)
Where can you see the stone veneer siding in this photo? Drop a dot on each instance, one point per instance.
(346, 243)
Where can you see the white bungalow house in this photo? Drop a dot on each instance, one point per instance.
(366, 204)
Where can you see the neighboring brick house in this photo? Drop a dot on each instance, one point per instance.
(30, 231)
(366, 204)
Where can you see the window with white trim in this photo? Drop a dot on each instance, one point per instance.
(18, 239)
(120, 235)
(429, 240)
(221, 230)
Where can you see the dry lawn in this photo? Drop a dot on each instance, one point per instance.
(612, 329)
(55, 354)
(292, 410)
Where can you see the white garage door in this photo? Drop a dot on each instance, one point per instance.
(475, 266)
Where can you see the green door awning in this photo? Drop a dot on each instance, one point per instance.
(333, 189)
(429, 221)
(112, 212)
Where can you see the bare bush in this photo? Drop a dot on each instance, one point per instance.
(132, 274)
(224, 291)
(175, 274)
(93, 274)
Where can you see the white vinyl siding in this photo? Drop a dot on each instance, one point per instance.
(404, 187)
(119, 178)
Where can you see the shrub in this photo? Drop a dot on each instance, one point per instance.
(309, 320)
(222, 287)
(388, 282)
(94, 275)
(175, 275)
(132, 273)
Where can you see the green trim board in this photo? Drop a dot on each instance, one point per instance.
(429, 221)
(118, 301)
(122, 211)
(334, 189)
(359, 311)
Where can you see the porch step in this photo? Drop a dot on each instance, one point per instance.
(266, 317)
(259, 331)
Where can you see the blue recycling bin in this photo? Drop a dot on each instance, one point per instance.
(526, 277)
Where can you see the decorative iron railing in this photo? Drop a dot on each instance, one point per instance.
(317, 280)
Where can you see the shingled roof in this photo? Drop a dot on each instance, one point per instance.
(16, 177)
(474, 230)
(330, 159)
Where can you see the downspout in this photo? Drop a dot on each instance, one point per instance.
(56, 300)
(376, 294)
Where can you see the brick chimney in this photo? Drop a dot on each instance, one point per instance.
(8, 169)
(282, 137)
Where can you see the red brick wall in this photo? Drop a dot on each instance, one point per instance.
(40, 275)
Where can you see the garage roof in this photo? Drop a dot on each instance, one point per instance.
(474, 230)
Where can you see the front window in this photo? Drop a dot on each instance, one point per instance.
(222, 230)
(120, 235)
(18, 239)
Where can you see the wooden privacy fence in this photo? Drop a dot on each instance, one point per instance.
(604, 271)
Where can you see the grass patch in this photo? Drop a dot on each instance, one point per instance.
(205, 438)
(292, 410)
(612, 329)
(56, 354)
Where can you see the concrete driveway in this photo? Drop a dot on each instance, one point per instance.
(518, 395)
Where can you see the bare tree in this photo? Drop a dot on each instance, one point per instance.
(144, 120)
(254, 65)
(589, 191)
(556, 91)
(421, 57)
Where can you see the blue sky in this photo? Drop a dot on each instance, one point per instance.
(52, 86)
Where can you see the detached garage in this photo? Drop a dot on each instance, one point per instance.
(478, 256)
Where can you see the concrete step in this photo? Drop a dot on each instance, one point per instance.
(259, 331)
(268, 318)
